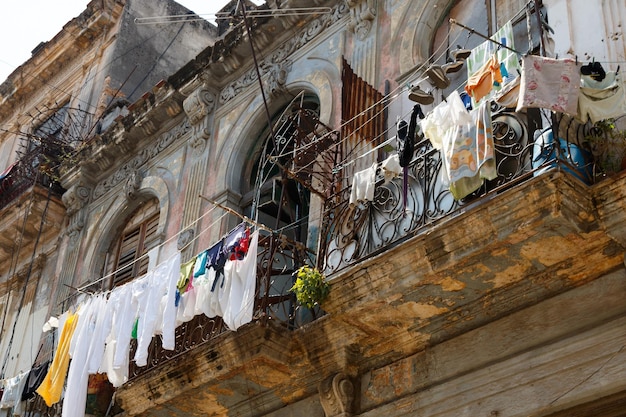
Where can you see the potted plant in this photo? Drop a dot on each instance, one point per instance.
(608, 145)
(310, 288)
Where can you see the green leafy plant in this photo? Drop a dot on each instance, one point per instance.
(608, 145)
(311, 288)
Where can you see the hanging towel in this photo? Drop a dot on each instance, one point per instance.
(158, 312)
(80, 351)
(363, 184)
(119, 308)
(471, 158)
(549, 83)
(242, 277)
(52, 385)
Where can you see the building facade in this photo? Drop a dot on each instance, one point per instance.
(328, 128)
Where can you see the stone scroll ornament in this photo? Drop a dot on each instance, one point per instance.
(337, 396)
(362, 14)
(198, 106)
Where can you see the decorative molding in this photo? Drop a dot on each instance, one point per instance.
(76, 225)
(133, 183)
(185, 237)
(277, 63)
(75, 198)
(337, 396)
(128, 169)
(198, 106)
(277, 78)
(362, 15)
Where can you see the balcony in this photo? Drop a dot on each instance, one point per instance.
(30, 198)
(404, 281)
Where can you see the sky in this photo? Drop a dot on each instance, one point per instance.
(24, 24)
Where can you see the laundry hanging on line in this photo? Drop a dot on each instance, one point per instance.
(97, 337)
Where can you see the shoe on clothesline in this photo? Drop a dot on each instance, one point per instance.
(420, 96)
(460, 54)
(437, 77)
(451, 67)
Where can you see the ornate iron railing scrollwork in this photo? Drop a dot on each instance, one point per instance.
(355, 232)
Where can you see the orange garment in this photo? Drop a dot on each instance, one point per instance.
(52, 385)
(480, 83)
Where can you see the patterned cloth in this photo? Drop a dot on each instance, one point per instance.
(549, 83)
(466, 143)
(472, 157)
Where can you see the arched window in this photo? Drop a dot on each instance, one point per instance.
(279, 192)
(280, 201)
(128, 256)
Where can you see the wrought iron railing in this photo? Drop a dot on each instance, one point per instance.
(278, 257)
(355, 232)
(37, 166)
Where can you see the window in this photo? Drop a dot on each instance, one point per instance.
(128, 257)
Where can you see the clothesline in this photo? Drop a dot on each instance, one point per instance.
(393, 95)
(472, 31)
(241, 216)
(81, 289)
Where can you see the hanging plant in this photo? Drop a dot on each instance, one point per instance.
(608, 145)
(311, 288)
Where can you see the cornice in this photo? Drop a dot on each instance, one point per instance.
(275, 67)
(128, 170)
(49, 58)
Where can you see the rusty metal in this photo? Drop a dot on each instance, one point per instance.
(362, 109)
(353, 233)
(37, 166)
(278, 257)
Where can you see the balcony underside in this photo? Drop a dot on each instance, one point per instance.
(514, 252)
(24, 217)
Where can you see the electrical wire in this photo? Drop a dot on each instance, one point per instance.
(159, 246)
(26, 281)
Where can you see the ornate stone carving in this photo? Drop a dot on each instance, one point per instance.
(77, 223)
(75, 198)
(133, 183)
(277, 78)
(145, 155)
(198, 106)
(185, 237)
(362, 15)
(337, 396)
(278, 58)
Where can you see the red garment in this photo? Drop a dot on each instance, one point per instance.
(240, 250)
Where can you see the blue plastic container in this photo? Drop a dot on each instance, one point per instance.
(571, 158)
